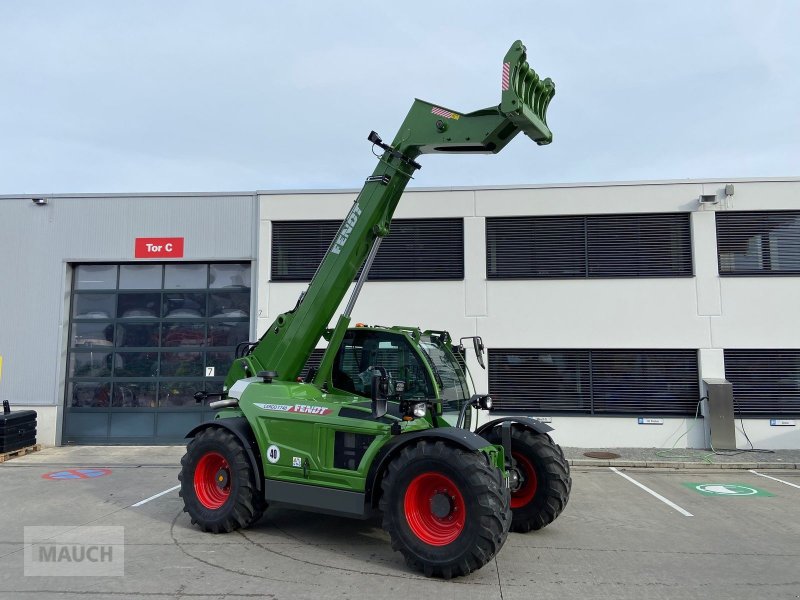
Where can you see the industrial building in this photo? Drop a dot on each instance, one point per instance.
(605, 308)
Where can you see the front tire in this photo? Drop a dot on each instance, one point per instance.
(445, 509)
(545, 481)
(218, 484)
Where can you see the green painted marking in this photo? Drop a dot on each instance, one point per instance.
(727, 489)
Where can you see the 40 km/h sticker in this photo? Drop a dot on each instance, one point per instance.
(726, 489)
(273, 454)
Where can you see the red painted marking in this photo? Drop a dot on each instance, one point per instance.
(168, 247)
(76, 474)
(440, 112)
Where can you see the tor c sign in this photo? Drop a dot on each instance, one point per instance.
(171, 247)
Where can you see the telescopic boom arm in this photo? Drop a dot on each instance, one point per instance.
(427, 129)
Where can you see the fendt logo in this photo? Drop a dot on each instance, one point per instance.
(347, 228)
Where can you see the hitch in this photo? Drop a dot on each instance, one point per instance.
(431, 129)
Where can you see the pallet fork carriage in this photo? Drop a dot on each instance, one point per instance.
(383, 424)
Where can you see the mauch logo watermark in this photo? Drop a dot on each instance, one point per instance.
(96, 551)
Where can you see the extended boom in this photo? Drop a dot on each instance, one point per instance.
(427, 129)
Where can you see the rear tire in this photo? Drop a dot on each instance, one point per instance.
(546, 481)
(218, 483)
(445, 509)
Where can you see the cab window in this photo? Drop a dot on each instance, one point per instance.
(363, 349)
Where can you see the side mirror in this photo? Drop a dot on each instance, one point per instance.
(380, 392)
(478, 343)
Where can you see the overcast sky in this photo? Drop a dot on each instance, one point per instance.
(148, 96)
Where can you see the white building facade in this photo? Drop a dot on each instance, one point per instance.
(603, 306)
(555, 315)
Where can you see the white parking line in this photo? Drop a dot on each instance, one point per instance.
(774, 479)
(158, 495)
(685, 513)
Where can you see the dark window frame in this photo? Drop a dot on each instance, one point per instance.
(737, 227)
(765, 383)
(590, 252)
(571, 381)
(404, 255)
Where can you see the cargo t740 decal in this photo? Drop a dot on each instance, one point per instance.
(296, 408)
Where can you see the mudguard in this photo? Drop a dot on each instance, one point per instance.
(459, 437)
(537, 426)
(239, 427)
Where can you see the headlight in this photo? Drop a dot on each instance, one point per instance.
(419, 409)
(486, 403)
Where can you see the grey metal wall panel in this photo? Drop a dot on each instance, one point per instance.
(37, 243)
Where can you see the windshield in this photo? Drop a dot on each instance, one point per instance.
(449, 373)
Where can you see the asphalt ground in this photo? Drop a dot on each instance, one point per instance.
(614, 540)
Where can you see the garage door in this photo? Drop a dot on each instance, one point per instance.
(143, 338)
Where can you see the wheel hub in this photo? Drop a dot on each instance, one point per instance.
(212, 480)
(435, 508)
(441, 505)
(221, 478)
(514, 479)
(526, 481)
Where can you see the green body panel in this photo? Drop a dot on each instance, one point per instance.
(310, 437)
(275, 413)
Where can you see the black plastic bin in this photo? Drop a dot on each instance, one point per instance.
(17, 429)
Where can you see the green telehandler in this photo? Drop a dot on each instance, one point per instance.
(383, 425)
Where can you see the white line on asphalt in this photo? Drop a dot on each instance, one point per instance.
(774, 479)
(158, 495)
(685, 513)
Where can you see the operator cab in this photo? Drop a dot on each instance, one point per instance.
(424, 365)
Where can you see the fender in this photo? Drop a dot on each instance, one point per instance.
(459, 437)
(526, 422)
(239, 427)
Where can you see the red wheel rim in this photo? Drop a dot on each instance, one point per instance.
(435, 509)
(212, 480)
(527, 473)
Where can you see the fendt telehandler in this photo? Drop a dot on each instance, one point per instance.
(383, 425)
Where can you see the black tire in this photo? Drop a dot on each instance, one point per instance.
(537, 506)
(430, 477)
(233, 503)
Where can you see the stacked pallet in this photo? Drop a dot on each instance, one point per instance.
(21, 452)
(17, 430)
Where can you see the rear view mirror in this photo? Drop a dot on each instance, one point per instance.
(380, 392)
(478, 343)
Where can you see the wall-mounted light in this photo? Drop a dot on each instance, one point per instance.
(39, 201)
(708, 199)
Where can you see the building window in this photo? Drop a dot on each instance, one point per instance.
(759, 243)
(619, 246)
(594, 382)
(416, 249)
(765, 382)
(313, 361)
(148, 336)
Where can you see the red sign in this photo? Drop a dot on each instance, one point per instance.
(159, 247)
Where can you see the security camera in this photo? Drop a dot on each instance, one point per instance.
(39, 201)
